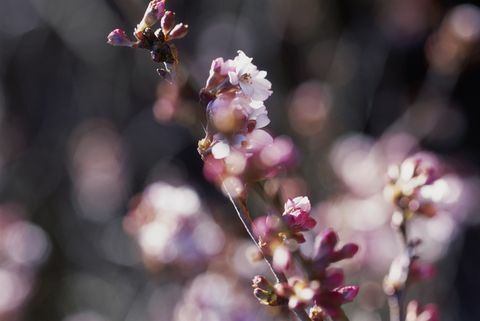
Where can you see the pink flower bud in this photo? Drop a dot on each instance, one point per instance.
(325, 244)
(118, 37)
(179, 31)
(154, 12)
(348, 251)
(168, 21)
(334, 277)
(261, 282)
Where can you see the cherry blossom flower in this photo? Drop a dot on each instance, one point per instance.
(411, 186)
(251, 80)
(245, 159)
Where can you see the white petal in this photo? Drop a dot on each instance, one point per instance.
(262, 121)
(247, 89)
(256, 104)
(220, 150)
(233, 77)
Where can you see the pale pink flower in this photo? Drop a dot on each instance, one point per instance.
(251, 80)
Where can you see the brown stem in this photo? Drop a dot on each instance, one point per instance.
(241, 209)
(396, 300)
(394, 307)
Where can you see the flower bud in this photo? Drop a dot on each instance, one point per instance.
(168, 21)
(154, 12)
(261, 282)
(348, 251)
(118, 37)
(179, 31)
(334, 277)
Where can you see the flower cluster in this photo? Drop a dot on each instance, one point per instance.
(236, 150)
(158, 42)
(323, 288)
(411, 189)
(410, 184)
(171, 227)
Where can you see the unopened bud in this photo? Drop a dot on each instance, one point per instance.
(329, 239)
(118, 37)
(154, 12)
(261, 282)
(348, 250)
(168, 21)
(179, 31)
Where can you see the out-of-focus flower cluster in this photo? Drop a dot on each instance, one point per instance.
(236, 150)
(363, 214)
(413, 187)
(158, 41)
(405, 269)
(322, 289)
(23, 248)
(171, 226)
(215, 296)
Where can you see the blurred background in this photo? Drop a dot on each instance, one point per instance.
(104, 212)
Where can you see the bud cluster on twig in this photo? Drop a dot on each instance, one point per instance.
(158, 41)
(409, 189)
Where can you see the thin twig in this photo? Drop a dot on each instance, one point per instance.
(395, 300)
(244, 216)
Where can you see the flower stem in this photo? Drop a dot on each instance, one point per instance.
(395, 300)
(241, 209)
